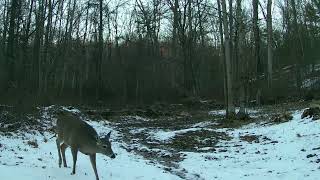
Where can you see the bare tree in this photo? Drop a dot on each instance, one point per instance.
(174, 7)
(256, 49)
(230, 105)
(222, 52)
(5, 17)
(270, 42)
(47, 44)
(37, 65)
(241, 63)
(297, 45)
(100, 52)
(12, 37)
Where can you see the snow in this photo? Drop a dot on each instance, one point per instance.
(137, 130)
(125, 166)
(71, 109)
(280, 154)
(286, 159)
(204, 124)
(18, 160)
(161, 135)
(136, 117)
(308, 83)
(222, 112)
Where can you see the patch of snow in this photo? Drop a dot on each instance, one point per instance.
(317, 67)
(18, 160)
(205, 148)
(308, 83)
(284, 157)
(217, 112)
(136, 117)
(223, 111)
(71, 109)
(137, 131)
(203, 124)
(41, 163)
(47, 108)
(162, 135)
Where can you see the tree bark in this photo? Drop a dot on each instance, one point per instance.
(47, 44)
(222, 55)
(37, 65)
(231, 109)
(256, 49)
(100, 52)
(270, 43)
(12, 36)
(240, 62)
(175, 27)
(12, 27)
(5, 25)
(298, 47)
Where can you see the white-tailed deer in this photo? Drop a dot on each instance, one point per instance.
(80, 136)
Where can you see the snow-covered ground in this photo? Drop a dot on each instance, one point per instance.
(286, 151)
(222, 112)
(18, 160)
(290, 151)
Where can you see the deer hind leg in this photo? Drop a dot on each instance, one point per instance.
(58, 141)
(63, 148)
(94, 166)
(74, 152)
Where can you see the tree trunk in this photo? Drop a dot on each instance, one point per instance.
(222, 54)
(5, 25)
(240, 62)
(256, 49)
(270, 43)
(175, 27)
(86, 23)
(230, 105)
(63, 78)
(47, 44)
(37, 47)
(10, 60)
(298, 46)
(12, 25)
(100, 52)
(190, 37)
(25, 42)
(231, 31)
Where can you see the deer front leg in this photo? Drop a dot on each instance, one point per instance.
(94, 166)
(59, 152)
(63, 152)
(74, 152)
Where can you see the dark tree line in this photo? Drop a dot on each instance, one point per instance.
(135, 51)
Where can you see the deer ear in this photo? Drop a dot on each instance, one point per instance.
(107, 137)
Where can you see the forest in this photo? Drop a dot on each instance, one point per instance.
(145, 51)
(159, 89)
